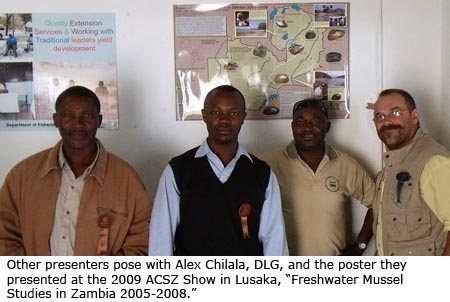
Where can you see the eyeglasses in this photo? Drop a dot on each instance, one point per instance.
(310, 103)
(394, 113)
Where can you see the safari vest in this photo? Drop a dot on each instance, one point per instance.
(409, 226)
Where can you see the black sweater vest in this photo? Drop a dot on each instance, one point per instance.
(210, 223)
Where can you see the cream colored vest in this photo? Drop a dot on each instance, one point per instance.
(409, 226)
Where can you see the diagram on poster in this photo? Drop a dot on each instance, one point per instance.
(275, 54)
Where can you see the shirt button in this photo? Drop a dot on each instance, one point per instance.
(63, 237)
(390, 165)
(410, 252)
(67, 212)
(73, 187)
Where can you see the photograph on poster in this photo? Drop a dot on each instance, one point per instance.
(242, 18)
(54, 78)
(330, 86)
(251, 23)
(16, 37)
(16, 67)
(16, 91)
(333, 14)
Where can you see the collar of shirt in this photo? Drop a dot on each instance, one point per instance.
(63, 161)
(222, 173)
(330, 152)
(98, 171)
(397, 156)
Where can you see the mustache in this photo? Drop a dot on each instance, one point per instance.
(391, 127)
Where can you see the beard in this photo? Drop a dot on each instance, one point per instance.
(394, 136)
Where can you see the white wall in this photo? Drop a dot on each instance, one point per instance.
(444, 134)
(394, 43)
(412, 55)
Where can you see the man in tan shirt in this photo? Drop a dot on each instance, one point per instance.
(74, 198)
(316, 182)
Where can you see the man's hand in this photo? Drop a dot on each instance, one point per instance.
(352, 250)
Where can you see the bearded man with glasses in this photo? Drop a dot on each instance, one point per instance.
(412, 201)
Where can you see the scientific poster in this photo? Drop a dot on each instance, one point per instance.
(275, 54)
(53, 52)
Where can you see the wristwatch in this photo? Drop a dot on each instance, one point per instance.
(361, 245)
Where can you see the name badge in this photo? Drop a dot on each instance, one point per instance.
(244, 211)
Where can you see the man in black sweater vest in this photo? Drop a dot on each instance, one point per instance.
(217, 199)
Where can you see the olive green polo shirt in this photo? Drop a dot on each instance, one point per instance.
(315, 204)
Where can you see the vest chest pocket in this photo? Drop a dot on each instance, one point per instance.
(407, 226)
(402, 192)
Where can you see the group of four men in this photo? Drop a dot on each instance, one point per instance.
(217, 199)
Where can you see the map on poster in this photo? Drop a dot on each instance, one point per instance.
(42, 54)
(275, 54)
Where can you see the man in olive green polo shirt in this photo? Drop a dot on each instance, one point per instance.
(316, 183)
